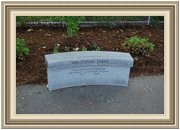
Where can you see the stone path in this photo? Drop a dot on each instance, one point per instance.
(144, 95)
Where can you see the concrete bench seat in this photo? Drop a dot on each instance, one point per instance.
(88, 68)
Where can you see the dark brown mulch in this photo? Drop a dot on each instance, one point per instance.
(41, 41)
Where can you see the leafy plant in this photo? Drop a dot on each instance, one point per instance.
(84, 49)
(72, 24)
(138, 46)
(21, 49)
(97, 49)
(56, 49)
(67, 49)
(154, 20)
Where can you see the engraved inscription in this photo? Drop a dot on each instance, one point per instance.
(80, 62)
(88, 70)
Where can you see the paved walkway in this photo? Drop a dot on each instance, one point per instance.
(144, 95)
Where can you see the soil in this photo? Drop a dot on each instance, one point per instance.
(32, 69)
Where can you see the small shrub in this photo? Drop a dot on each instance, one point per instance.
(97, 49)
(66, 49)
(84, 49)
(72, 24)
(56, 49)
(154, 20)
(21, 49)
(139, 46)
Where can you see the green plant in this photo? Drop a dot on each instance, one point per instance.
(97, 49)
(154, 20)
(84, 49)
(21, 49)
(138, 46)
(72, 24)
(66, 49)
(56, 49)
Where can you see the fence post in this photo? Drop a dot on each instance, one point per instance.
(149, 18)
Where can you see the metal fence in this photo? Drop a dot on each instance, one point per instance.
(91, 21)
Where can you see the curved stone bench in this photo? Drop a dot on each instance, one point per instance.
(88, 68)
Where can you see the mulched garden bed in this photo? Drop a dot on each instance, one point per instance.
(41, 41)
